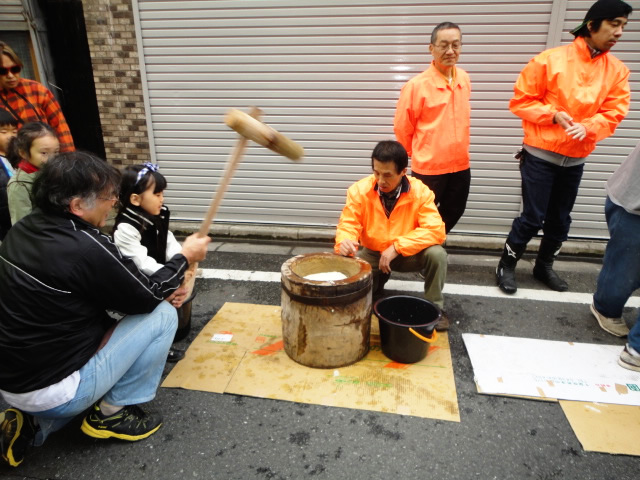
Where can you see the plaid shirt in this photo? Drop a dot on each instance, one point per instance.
(33, 102)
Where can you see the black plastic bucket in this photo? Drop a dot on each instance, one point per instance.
(407, 327)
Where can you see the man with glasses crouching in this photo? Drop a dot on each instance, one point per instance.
(60, 352)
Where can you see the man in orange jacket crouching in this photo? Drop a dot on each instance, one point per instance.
(568, 98)
(396, 221)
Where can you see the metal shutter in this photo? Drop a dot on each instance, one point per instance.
(328, 74)
(11, 18)
(14, 30)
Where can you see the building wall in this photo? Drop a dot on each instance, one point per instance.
(328, 74)
(11, 17)
(114, 54)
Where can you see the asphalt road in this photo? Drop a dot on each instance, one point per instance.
(221, 436)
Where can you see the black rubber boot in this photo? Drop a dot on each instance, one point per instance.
(506, 271)
(543, 269)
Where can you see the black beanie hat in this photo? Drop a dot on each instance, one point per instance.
(605, 9)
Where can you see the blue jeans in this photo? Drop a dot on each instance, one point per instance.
(620, 274)
(126, 371)
(548, 194)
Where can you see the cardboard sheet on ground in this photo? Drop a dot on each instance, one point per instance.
(551, 369)
(602, 427)
(240, 351)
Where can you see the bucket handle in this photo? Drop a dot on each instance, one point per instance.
(434, 336)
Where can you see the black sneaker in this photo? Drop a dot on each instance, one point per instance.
(131, 423)
(17, 431)
(175, 355)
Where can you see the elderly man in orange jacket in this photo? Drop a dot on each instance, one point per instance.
(569, 98)
(395, 220)
(432, 123)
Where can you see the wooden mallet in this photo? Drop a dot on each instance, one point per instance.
(249, 128)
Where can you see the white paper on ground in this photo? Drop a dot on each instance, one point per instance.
(222, 337)
(553, 369)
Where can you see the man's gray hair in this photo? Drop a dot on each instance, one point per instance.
(74, 175)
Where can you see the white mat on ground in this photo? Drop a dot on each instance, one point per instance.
(551, 369)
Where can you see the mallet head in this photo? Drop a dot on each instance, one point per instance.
(255, 130)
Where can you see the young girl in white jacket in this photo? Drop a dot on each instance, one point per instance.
(141, 231)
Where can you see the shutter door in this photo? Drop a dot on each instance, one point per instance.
(11, 18)
(14, 30)
(328, 74)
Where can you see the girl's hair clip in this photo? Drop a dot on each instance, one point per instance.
(148, 167)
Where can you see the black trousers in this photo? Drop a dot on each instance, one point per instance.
(451, 191)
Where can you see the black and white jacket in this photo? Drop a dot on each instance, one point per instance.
(144, 238)
(58, 277)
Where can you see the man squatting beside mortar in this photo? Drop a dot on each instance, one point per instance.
(569, 98)
(432, 123)
(61, 353)
(620, 274)
(396, 221)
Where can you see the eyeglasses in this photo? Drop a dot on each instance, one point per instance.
(112, 198)
(446, 46)
(16, 69)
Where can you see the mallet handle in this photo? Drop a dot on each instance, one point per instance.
(232, 164)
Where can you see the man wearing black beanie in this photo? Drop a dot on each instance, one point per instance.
(568, 98)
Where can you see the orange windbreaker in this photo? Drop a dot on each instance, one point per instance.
(414, 223)
(432, 122)
(594, 91)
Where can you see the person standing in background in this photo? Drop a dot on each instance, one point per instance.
(620, 274)
(28, 100)
(432, 123)
(29, 150)
(569, 98)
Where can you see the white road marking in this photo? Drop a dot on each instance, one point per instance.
(449, 288)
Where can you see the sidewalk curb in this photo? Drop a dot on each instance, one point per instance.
(280, 233)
